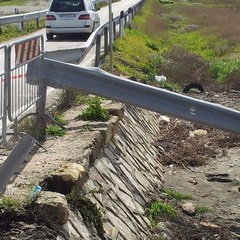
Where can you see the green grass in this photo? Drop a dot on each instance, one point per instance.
(11, 31)
(172, 194)
(94, 111)
(89, 210)
(221, 69)
(202, 209)
(12, 2)
(183, 43)
(55, 130)
(10, 203)
(157, 210)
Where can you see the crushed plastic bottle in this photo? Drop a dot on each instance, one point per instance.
(34, 193)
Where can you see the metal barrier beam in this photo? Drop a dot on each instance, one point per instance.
(22, 17)
(14, 160)
(96, 81)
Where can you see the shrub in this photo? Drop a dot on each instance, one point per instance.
(94, 111)
(159, 209)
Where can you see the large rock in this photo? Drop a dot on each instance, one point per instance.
(52, 207)
(66, 177)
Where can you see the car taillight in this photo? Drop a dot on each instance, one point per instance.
(50, 18)
(84, 17)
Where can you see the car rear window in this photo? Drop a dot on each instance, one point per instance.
(67, 6)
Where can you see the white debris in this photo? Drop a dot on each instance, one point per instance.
(160, 79)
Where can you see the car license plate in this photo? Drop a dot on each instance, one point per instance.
(67, 15)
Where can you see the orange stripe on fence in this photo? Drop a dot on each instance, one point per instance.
(26, 51)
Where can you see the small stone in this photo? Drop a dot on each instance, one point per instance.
(188, 208)
(164, 119)
(200, 133)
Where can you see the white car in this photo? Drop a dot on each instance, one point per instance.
(71, 16)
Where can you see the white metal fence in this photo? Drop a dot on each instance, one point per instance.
(17, 94)
(22, 93)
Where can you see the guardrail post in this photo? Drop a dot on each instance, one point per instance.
(125, 19)
(37, 22)
(121, 24)
(130, 11)
(114, 30)
(105, 32)
(40, 112)
(98, 50)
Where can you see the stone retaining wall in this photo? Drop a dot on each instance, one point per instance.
(127, 172)
(115, 165)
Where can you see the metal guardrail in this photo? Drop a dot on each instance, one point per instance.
(20, 18)
(14, 160)
(98, 82)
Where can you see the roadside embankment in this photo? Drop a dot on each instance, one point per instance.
(112, 164)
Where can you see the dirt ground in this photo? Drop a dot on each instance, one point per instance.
(206, 167)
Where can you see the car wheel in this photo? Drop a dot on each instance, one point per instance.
(49, 36)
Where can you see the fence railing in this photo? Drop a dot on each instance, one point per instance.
(119, 24)
(4, 92)
(22, 94)
(17, 94)
(21, 18)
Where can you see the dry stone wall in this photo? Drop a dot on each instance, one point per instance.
(127, 172)
(115, 165)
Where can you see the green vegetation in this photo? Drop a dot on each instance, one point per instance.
(186, 42)
(87, 128)
(12, 2)
(172, 194)
(69, 98)
(202, 209)
(10, 203)
(55, 130)
(55, 127)
(94, 111)
(168, 206)
(89, 210)
(157, 210)
(11, 31)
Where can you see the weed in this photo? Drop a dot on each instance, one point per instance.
(87, 128)
(81, 98)
(221, 69)
(89, 210)
(202, 209)
(55, 130)
(12, 2)
(58, 117)
(94, 111)
(27, 126)
(172, 194)
(11, 31)
(159, 209)
(10, 203)
(66, 99)
(69, 98)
